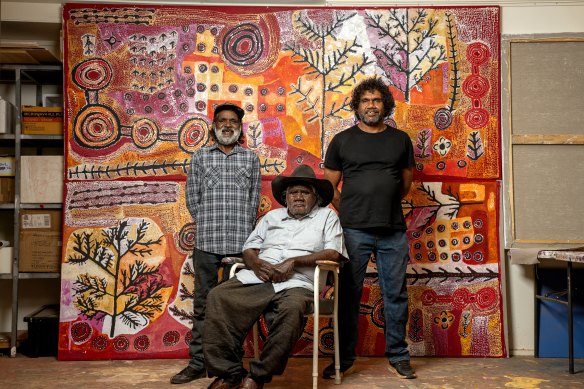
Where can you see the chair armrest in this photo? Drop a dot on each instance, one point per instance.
(328, 265)
(231, 260)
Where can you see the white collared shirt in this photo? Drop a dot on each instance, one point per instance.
(279, 236)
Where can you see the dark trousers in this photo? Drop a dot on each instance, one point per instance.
(232, 309)
(206, 267)
(392, 255)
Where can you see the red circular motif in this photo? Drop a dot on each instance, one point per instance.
(193, 134)
(478, 53)
(144, 133)
(186, 239)
(486, 297)
(99, 342)
(80, 332)
(141, 343)
(326, 344)
(477, 117)
(121, 343)
(429, 297)
(93, 74)
(460, 298)
(96, 126)
(188, 338)
(171, 338)
(475, 86)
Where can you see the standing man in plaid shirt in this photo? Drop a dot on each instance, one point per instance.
(222, 194)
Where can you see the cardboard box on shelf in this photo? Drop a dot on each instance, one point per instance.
(41, 179)
(6, 190)
(6, 254)
(7, 114)
(42, 120)
(40, 241)
(7, 166)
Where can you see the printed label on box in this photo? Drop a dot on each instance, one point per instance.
(40, 220)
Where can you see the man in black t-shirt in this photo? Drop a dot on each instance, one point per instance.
(375, 162)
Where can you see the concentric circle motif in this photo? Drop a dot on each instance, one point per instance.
(171, 338)
(477, 117)
(193, 134)
(141, 343)
(478, 257)
(442, 118)
(93, 74)
(475, 86)
(377, 314)
(429, 297)
(243, 45)
(485, 298)
(99, 342)
(326, 344)
(80, 332)
(96, 126)
(121, 343)
(460, 298)
(478, 53)
(186, 239)
(144, 133)
(188, 338)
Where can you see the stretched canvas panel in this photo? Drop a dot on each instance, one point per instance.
(140, 86)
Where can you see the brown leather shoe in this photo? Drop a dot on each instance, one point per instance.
(250, 383)
(220, 383)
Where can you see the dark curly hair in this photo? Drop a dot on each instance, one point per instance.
(371, 85)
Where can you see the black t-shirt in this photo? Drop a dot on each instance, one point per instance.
(371, 165)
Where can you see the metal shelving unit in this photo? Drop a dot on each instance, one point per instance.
(20, 75)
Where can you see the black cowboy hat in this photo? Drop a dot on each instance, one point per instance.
(303, 174)
(229, 107)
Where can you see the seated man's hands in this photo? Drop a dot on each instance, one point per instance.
(283, 271)
(263, 270)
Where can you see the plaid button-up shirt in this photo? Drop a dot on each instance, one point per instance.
(222, 195)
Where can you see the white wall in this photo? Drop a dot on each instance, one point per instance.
(519, 17)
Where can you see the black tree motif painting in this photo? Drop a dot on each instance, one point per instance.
(123, 286)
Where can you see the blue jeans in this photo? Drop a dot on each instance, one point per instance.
(206, 266)
(391, 251)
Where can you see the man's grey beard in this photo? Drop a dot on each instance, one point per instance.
(227, 141)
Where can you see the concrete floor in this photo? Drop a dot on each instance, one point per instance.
(372, 373)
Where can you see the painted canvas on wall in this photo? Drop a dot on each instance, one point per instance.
(140, 86)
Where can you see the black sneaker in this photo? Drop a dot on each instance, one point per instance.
(188, 374)
(329, 372)
(402, 369)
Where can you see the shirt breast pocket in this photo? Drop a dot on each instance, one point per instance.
(242, 178)
(309, 239)
(212, 177)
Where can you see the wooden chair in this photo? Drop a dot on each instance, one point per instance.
(321, 307)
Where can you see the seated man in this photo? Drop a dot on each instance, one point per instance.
(281, 252)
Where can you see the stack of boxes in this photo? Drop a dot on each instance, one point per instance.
(41, 182)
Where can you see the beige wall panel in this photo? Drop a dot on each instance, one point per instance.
(547, 87)
(548, 192)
